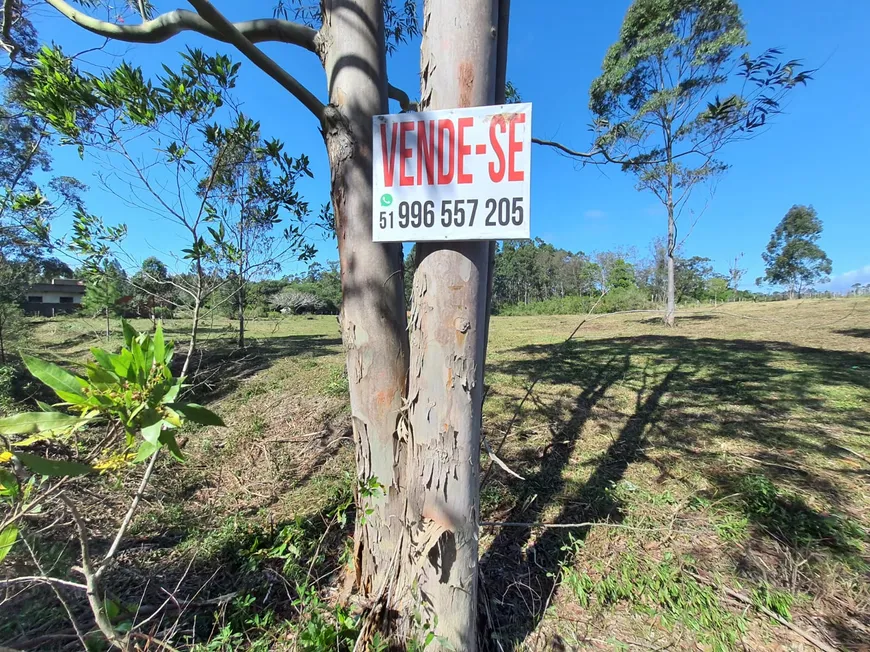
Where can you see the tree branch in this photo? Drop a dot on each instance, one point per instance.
(93, 591)
(7, 43)
(233, 35)
(174, 22)
(563, 148)
(43, 580)
(52, 582)
(129, 516)
(402, 98)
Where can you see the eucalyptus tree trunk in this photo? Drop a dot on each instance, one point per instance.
(373, 321)
(447, 336)
(671, 309)
(241, 300)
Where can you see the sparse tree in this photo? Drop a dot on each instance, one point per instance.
(718, 288)
(196, 131)
(736, 273)
(105, 279)
(657, 105)
(254, 194)
(106, 285)
(793, 259)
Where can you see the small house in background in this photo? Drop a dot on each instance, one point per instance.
(62, 295)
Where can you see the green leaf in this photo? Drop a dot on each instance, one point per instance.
(8, 537)
(111, 363)
(45, 407)
(167, 437)
(172, 393)
(159, 343)
(8, 484)
(170, 351)
(52, 468)
(126, 359)
(30, 422)
(64, 384)
(146, 450)
(147, 347)
(111, 608)
(151, 426)
(197, 414)
(99, 376)
(129, 333)
(139, 362)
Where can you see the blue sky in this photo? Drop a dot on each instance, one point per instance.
(814, 154)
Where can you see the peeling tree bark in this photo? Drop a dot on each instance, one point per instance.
(373, 320)
(671, 309)
(447, 337)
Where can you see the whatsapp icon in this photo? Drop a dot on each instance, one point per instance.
(386, 200)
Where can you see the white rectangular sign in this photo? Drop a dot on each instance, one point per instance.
(459, 174)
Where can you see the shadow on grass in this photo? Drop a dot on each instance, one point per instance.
(219, 366)
(682, 319)
(689, 396)
(863, 333)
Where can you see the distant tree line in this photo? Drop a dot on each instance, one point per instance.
(536, 277)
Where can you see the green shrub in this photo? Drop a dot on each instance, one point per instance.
(7, 388)
(616, 300)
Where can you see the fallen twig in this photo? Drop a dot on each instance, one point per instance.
(498, 460)
(855, 453)
(776, 465)
(42, 580)
(531, 388)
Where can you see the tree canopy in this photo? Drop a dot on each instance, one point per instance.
(793, 258)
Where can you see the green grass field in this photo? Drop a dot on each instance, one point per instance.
(698, 474)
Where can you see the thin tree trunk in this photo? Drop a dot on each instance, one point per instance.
(194, 331)
(458, 63)
(108, 323)
(2, 344)
(671, 311)
(197, 306)
(373, 320)
(241, 312)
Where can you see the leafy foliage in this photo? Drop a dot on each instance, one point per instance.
(153, 292)
(788, 518)
(400, 18)
(793, 259)
(232, 192)
(133, 390)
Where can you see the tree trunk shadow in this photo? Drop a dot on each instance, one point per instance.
(519, 580)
